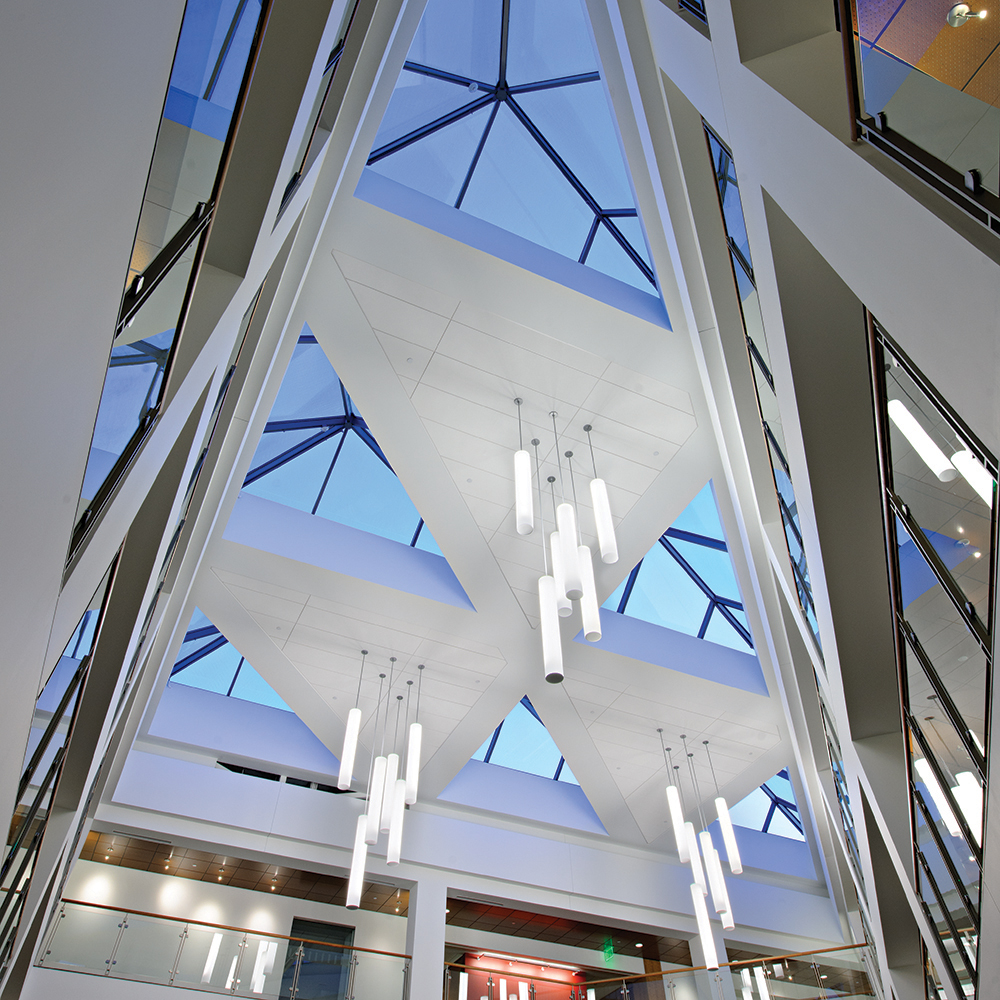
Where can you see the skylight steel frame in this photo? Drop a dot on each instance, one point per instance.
(716, 602)
(496, 735)
(502, 93)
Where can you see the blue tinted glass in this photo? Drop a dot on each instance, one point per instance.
(310, 387)
(751, 811)
(364, 493)
(518, 188)
(525, 745)
(437, 164)
(721, 630)
(250, 686)
(416, 101)
(729, 192)
(701, 516)
(129, 390)
(616, 598)
(548, 39)
(577, 121)
(608, 256)
(460, 36)
(714, 567)
(665, 595)
(212, 672)
(297, 483)
(631, 229)
(567, 775)
(427, 543)
(274, 444)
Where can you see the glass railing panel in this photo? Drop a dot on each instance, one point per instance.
(144, 951)
(953, 654)
(953, 938)
(937, 83)
(84, 939)
(753, 322)
(947, 489)
(215, 45)
(208, 957)
(134, 383)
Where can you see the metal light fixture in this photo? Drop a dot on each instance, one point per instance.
(414, 741)
(351, 735)
(975, 474)
(961, 13)
(725, 822)
(522, 482)
(602, 509)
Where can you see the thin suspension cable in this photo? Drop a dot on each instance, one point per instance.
(357, 699)
(392, 667)
(562, 484)
(694, 782)
(588, 428)
(552, 490)
(541, 507)
(420, 682)
(520, 436)
(395, 735)
(715, 777)
(378, 706)
(409, 689)
(572, 483)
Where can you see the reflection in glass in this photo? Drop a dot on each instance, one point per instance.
(934, 474)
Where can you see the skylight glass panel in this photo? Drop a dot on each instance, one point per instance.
(522, 743)
(500, 112)
(772, 808)
(686, 582)
(207, 660)
(317, 455)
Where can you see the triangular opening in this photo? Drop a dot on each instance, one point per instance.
(772, 808)
(686, 582)
(522, 743)
(317, 455)
(208, 660)
(500, 111)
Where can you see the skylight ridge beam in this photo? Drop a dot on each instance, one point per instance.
(744, 634)
(786, 808)
(556, 81)
(192, 658)
(620, 213)
(589, 241)
(704, 622)
(627, 593)
(366, 436)
(478, 153)
(200, 633)
(646, 270)
(304, 424)
(429, 129)
(329, 471)
(442, 74)
(504, 40)
(696, 539)
(286, 456)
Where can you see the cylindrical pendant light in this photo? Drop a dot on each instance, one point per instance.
(713, 868)
(413, 761)
(463, 986)
(933, 457)
(728, 836)
(350, 749)
(747, 988)
(694, 857)
(396, 822)
(549, 627)
(388, 790)
(566, 522)
(602, 518)
(704, 928)
(376, 792)
(356, 881)
(590, 610)
(351, 733)
(931, 783)
(677, 821)
(761, 977)
(564, 605)
(975, 474)
(728, 924)
(524, 515)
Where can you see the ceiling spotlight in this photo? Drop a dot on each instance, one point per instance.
(961, 13)
(638, 944)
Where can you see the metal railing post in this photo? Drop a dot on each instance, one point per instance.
(47, 947)
(406, 979)
(352, 975)
(293, 992)
(240, 955)
(110, 960)
(177, 958)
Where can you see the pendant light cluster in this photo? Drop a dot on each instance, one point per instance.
(390, 790)
(698, 850)
(570, 579)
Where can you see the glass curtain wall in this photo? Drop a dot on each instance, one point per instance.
(760, 364)
(941, 527)
(929, 74)
(208, 82)
(48, 740)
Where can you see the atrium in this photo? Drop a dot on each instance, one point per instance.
(501, 499)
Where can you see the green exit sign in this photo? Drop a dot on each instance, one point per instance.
(609, 950)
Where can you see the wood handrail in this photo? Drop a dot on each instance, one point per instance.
(237, 930)
(633, 978)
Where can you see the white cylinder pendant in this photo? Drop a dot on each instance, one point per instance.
(713, 869)
(728, 924)
(350, 749)
(375, 793)
(728, 836)
(523, 506)
(602, 518)
(564, 606)
(413, 761)
(694, 857)
(704, 928)
(396, 822)
(356, 881)
(549, 627)
(590, 610)
(388, 790)
(566, 521)
(677, 821)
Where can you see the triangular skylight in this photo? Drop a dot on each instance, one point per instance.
(316, 454)
(771, 809)
(207, 660)
(500, 111)
(522, 743)
(686, 581)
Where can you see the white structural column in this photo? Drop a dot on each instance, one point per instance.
(425, 938)
(708, 989)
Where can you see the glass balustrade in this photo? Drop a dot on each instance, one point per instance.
(151, 948)
(838, 973)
